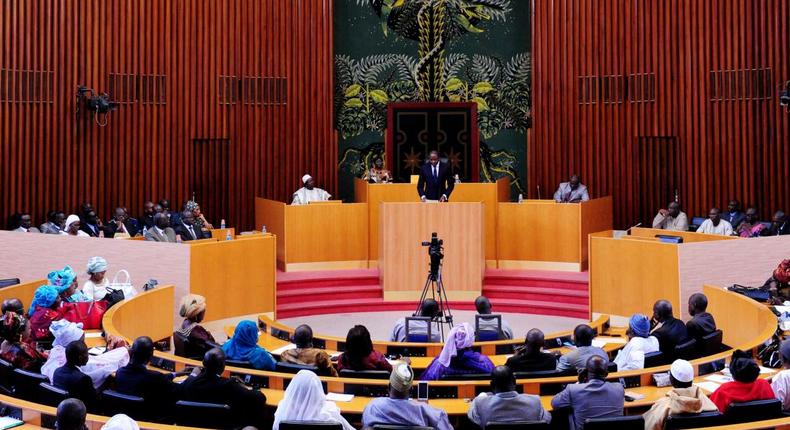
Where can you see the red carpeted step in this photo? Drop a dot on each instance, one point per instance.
(321, 293)
(544, 308)
(330, 282)
(503, 293)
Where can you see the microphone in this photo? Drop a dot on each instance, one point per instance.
(538, 192)
(628, 232)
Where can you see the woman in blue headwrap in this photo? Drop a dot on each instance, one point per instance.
(243, 346)
(66, 282)
(44, 310)
(632, 356)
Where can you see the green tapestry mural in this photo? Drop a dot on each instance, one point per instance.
(433, 50)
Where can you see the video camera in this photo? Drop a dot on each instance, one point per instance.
(435, 253)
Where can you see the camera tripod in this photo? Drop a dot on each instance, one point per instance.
(434, 284)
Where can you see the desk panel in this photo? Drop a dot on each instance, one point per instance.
(326, 233)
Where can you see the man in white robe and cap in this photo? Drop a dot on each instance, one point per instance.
(309, 193)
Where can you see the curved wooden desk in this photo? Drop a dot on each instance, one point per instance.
(746, 333)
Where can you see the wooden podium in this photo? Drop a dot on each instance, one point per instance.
(404, 262)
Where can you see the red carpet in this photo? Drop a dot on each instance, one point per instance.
(515, 291)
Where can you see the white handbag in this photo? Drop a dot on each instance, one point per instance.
(124, 284)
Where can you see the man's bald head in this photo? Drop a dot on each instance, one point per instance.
(142, 350)
(303, 336)
(535, 340)
(483, 305)
(214, 361)
(502, 380)
(583, 335)
(597, 368)
(13, 305)
(71, 415)
(430, 308)
(662, 310)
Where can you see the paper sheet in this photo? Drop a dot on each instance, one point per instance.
(765, 370)
(600, 341)
(708, 386)
(634, 395)
(336, 397)
(8, 422)
(719, 379)
(282, 349)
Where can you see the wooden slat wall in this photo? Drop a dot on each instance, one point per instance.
(737, 147)
(52, 158)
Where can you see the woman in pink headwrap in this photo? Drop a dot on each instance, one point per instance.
(457, 356)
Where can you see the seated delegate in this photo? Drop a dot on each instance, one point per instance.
(715, 225)
(683, 398)
(457, 356)
(572, 191)
(359, 353)
(592, 397)
(483, 306)
(304, 400)
(504, 404)
(531, 357)
(309, 192)
(671, 218)
(429, 309)
(193, 310)
(669, 330)
(305, 354)
(576, 360)
(632, 356)
(243, 346)
(701, 323)
(747, 385)
(70, 378)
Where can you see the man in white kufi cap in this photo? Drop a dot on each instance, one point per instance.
(683, 398)
(309, 192)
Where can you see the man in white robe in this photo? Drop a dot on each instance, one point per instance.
(309, 193)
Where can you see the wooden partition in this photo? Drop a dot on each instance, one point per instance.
(316, 236)
(627, 275)
(543, 234)
(404, 263)
(740, 318)
(148, 314)
(688, 236)
(24, 291)
(487, 193)
(237, 277)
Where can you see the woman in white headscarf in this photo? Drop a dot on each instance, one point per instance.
(120, 422)
(95, 288)
(304, 400)
(457, 356)
(73, 226)
(99, 367)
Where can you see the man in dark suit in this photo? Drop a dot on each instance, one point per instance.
(187, 229)
(669, 330)
(436, 181)
(121, 223)
(70, 377)
(91, 224)
(780, 226)
(209, 387)
(147, 220)
(136, 380)
(701, 323)
(734, 215)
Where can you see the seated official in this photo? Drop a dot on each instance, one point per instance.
(71, 415)
(505, 404)
(135, 379)
(632, 356)
(734, 215)
(436, 180)
(715, 225)
(751, 225)
(684, 398)
(17, 347)
(457, 356)
(359, 353)
(530, 357)
(70, 377)
(747, 385)
(305, 354)
(147, 219)
(44, 309)
(72, 228)
(483, 306)
(701, 323)
(398, 409)
(309, 192)
(572, 191)
(186, 228)
(378, 174)
(56, 222)
(304, 400)
(243, 346)
(576, 360)
(592, 397)
(671, 218)
(669, 330)
(193, 309)
(429, 309)
(200, 219)
(90, 223)
(95, 288)
(161, 231)
(98, 368)
(780, 226)
(208, 386)
(23, 223)
(121, 225)
(780, 383)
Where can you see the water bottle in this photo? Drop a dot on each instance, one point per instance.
(457, 179)
(222, 223)
(263, 229)
(178, 238)
(521, 198)
(228, 236)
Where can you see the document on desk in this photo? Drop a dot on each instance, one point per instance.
(282, 349)
(708, 386)
(600, 341)
(718, 378)
(336, 397)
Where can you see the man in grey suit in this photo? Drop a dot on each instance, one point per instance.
(592, 397)
(505, 404)
(572, 191)
(577, 359)
(24, 223)
(161, 231)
